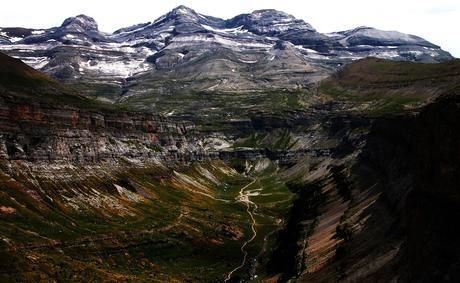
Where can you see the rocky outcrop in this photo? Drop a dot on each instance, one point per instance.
(41, 121)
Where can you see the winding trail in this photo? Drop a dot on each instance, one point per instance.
(243, 197)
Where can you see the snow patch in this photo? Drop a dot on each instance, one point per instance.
(248, 61)
(15, 39)
(184, 40)
(333, 34)
(182, 11)
(300, 47)
(379, 46)
(37, 32)
(116, 67)
(237, 30)
(415, 52)
(384, 54)
(12, 39)
(35, 62)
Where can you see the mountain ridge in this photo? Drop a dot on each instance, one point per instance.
(262, 50)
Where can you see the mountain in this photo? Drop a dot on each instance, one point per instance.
(79, 30)
(266, 49)
(231, 150)
(269, 23)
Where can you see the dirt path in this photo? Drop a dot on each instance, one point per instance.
(251, 207)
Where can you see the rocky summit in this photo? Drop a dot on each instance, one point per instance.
(251, 149)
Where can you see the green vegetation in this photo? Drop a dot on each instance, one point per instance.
(380, 87)
(278, 139)
(183, 219)
(223, 106)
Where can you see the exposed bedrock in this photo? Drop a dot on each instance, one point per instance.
(386, 215)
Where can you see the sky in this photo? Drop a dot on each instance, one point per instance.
(438, 21)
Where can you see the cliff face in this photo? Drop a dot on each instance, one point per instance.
(403, 202)
(383, 212)
(357, 235)
(67, 134)
(432, 209)
(438, 149)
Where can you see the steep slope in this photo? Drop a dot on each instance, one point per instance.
(20, 83)
(15, 73)
(357, 227)
(397, 226)
(15, 34)
(181, 20)
(431, 250)
(79, 30)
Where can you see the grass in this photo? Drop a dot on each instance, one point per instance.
(380, 87)
(223, 106)
(277, 139)
(169, 245)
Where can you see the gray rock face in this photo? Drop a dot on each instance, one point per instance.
(4, 41)
(371, 36)
(269, 22)
(157, 34)
(371, 42)
(183, 49)
(79, 30)
(65, 134)
(80, 23)
(16, 34)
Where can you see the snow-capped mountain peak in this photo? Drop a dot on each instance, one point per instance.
(181, 13)
(182, 10)
(270, 22)
(271, 13)
(371, 36)
(80, 23)
(252, 49)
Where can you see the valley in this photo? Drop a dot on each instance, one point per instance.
(252, 149)
(166, 231)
